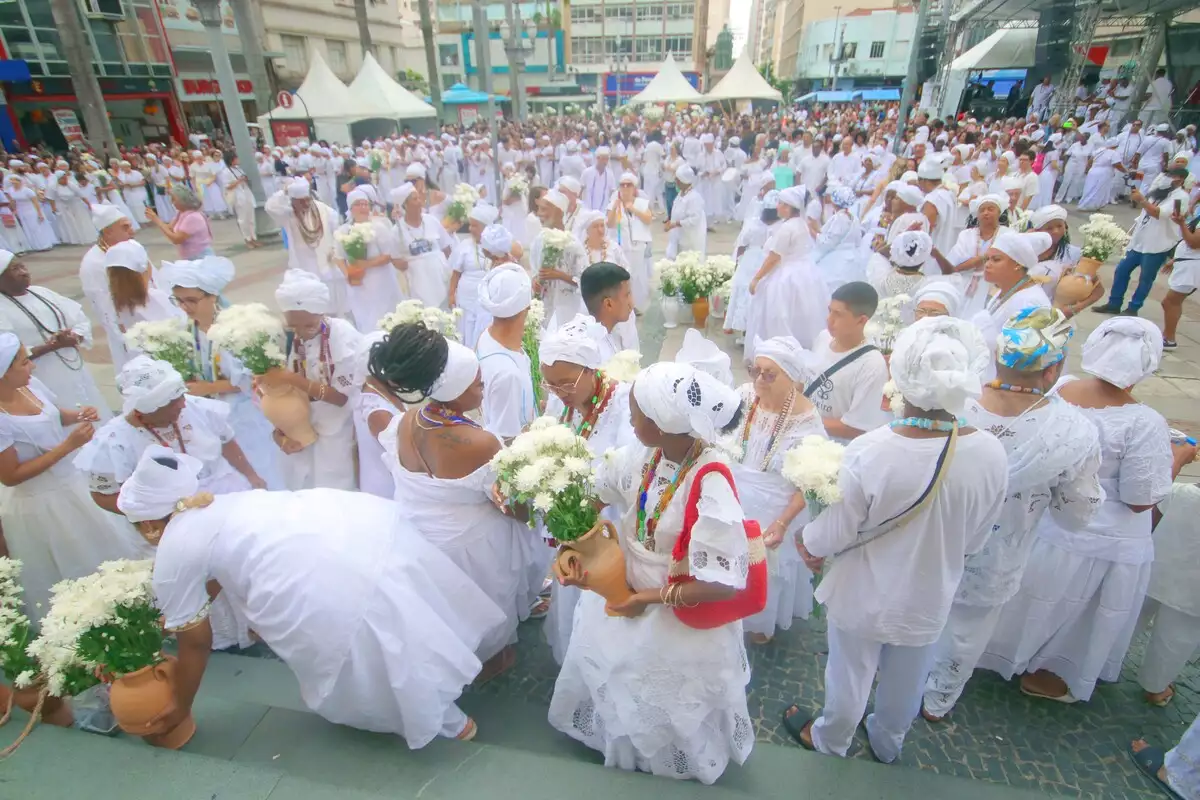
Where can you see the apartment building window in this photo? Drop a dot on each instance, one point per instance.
(681, 10)
(849, 49)
(337, 55)
(587, 49)
(618, 44)
(585, 14)
(648, 12)
(618, 12)
(877, 49)
(295, 52)
(679, 46)
(448, 55)
(648, 48)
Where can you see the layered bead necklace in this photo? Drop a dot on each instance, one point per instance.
(773, 442)
(1008, 387)
(161, 440)
(648, 524)
(604, 390)
(926, 424)
(437, 416)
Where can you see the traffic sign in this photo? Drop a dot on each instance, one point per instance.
(285, 99)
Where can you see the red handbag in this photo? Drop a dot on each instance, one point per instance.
(747, 602)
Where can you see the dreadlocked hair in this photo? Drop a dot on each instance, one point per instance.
(1063, 244)
(409, 361)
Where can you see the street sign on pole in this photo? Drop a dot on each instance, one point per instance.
(285, 99)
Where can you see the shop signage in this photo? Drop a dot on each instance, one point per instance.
(68, 123)
(285, 132)
(285, 99)
(206, 88)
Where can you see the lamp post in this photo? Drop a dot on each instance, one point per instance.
(516, 30)
(210, 17)
(619, 66)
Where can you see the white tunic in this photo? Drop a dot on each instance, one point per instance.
(471, 264)
(423, 247)
(508, 402)
(379, 292)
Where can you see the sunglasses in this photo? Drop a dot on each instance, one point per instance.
(767, 375)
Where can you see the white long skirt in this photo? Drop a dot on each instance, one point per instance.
(428, 280)
(165, 208)
(243, 209)
(654, 695)
(791, 301)
(75, 223)
(474, 320)
(14, 238)
(1045, 195)
(1074, 616)
(253, 434)
(135, 196)
(38, 232)
(1072, 186)
(213, 201)
(738, 313)
(639, 274)
(1097, 189)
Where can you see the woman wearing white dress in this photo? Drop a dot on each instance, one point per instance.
(28, 206)
(965, 262)
(598, 246)
(439, 460)
(373, 284)
(777, 417)
(629, 218)
(1061, 258)
(74, 217)
(1104, 172)
(749, 251)
(266, 173)
(160, 187)
(378, 627)
(40, 182)
(134, 297)
(11, 234)
(1051, 166)
(50, 522)
(235, 189)
(837, 250)
(688, 226)
(789, 298)
(468, 264)
(132, 184)
(204, 181)
(108, 190)
(1005, 166)
(196, 287)
(422, 248)
(512, 210)
(648, 691)
(1009, 261)
(1071, 622)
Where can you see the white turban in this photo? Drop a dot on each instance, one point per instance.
(707, 138)
(940, 291)
(1023, 248)
(906, 221)
(557, 199)
(496, 239)
(462, 368)
(930, 170)
(1123, 351)
(799, 364)
(401, 193)
(161, 479)
(701, 354)
(104, 215)
(299, 188)
(628, 177)
(414, 171)
(1047, 214)
(911, 249)
(484, 213)
(302, 291)
(993, 199)
(682, 399)
(505, 291)
(909, 177)
(6, 258)
(586, 219)
(685, 174)
(603, 151)
(910, 195)
(1011, 183)
(129, 254)
(209, 274)
(146, 385)
(9, 345)
(938, 363)
(571, 184)
(792, 196)
(577, 342)
(354, 195)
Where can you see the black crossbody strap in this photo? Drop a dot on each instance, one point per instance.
(850, 358)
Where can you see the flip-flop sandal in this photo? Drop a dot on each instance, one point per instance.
(1150, 760)
(1164, 701)
(540, 609)
(1067, 698)
(925, 715)
(795, 732)
(468, 732)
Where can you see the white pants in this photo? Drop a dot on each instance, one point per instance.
(965, 637)
(1174, 639)
(849, 672)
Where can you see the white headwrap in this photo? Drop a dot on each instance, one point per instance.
(496, 239)
(1023, 248)
(161, 479)
(701, 354)
(484, 213)
(686, 175)
(911, 248)
(6, 258)
(577, 342)
(586, 219)
(129, 254)
(146, 385)
(571, 184)
(940, 291)
(799, 364)
(792, 196)
(996, 200)
(930, 170)
(354, 195)
(1123, 351)
(681, 399)
(910, 195)
(557, 199)
(462, 368)
(1047, 214)
(505, 291)
(938, 363)
(401, 193)
(104, 215)
(299, 188)
(905, 221)
(210, 274)
(414, 171)
(9, 345)
(302, 291)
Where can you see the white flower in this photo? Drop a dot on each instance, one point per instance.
(624, 366)
(518, 185)
(813, 466)
(1102, 237)
(557, 239)
(410, 311)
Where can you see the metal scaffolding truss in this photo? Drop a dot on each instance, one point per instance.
(1024, 13)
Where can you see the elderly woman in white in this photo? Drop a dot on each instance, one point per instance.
(422, 247)
(1009, 261)
(373, 287)
(557, 283)
(387, 642)
(907, 254)
(919, 495)
(777, 418)
(1071, 623)
(837, 249)
(196, 288)
(629, 217)
(320, 361)
(966, 260)
(50, 523)
(937, 299)
(468, 265)
(1053, 457)
(749, 252)
(646, 657)
(688, 226)
(1060, 258)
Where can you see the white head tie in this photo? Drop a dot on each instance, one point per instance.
(1123, 351)
(944, 292)
(462, 368)
(209, 274)
(104, 215)
(496, 240)
(701, 354)
(505, 291)
(576, 342)
(299, 188)
(938, 363)
(1047, 214)
(161, 479)
(355, 195)
(484, 213)
(681, 399)
(146, 385)
(911, 249)
(1023, 248)
(129, 254)
(9, 345)
(401, 193)
(799, 364)
(302, 291)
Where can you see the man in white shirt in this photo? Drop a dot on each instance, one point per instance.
(508, 399)
(814, 168)
(1152, 156)
(845, 166)
(1156, 108)
(1129, 143)
(939, 206)
(1028, 178)
(599, 181)
(608, 297)
(709, 166)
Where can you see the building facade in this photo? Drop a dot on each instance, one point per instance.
(867, 47)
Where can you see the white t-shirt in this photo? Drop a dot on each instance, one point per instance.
(1160, 95)
(508, 404)
(855, 392)
(1151, 235)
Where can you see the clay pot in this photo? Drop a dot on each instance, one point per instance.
(354, 274)
(143, 695)
(598, 554)
(1088, 266)
(55, 710)
(286, 407)
(1072, 289)
(700, 310)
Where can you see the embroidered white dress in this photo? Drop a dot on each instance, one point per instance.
(792, 300)
(469, 261)
(379, 292)
(373, 473)
(649, 692)
(753, 237)
(837, 251)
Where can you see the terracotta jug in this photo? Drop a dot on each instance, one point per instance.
(286, 407)
(55, 710)
(598, 554)
(700, 312)
(1076, 287)
(141, 696)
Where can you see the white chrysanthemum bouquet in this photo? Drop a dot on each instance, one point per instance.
(1102, 237)
(531, 341)
(554, 244)
(461, 202)
(700, 278)
(15, 662)
(355, 240)
(893, 400)
(253, 334)
(653, 113)
(812, 467)
(668, 277)
(624, 366)
(166, 340)
(549, 467)
(410, 311)
(377, 160)
(886, 325)
(517, 185)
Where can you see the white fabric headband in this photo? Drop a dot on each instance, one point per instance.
(681, 399)
(462, 367)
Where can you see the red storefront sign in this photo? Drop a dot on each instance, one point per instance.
(194, 87)
(285, 132)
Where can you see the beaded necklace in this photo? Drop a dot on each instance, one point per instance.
(605, 389)
(210, 369)
(300, 358)
(178, 436)
(926, 424)
(773, 442)
(1008, 387)
(646, 526)
(440, 417)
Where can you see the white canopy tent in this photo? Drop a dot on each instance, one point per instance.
(327, 101)
(1007, 48)
(668, 86)
(372, 85)
(743, 82)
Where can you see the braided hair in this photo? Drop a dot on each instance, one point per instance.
(409, 361)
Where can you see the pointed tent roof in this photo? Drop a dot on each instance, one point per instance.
(374, 86)
(668, 86)
(323, 96)
(743, 82)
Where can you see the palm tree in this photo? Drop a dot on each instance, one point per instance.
(364, 24)
(431, 61)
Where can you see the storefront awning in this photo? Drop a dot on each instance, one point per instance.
(14, 70)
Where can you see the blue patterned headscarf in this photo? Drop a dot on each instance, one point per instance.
(1034, 339)
(843, 197)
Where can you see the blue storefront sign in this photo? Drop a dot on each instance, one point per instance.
(634, 82)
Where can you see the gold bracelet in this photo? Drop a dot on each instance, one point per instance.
(662, 594)
(321, 396)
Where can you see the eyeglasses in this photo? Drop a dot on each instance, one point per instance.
(187, 302)
(922, 313)
(767, 375)
(562, 389)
